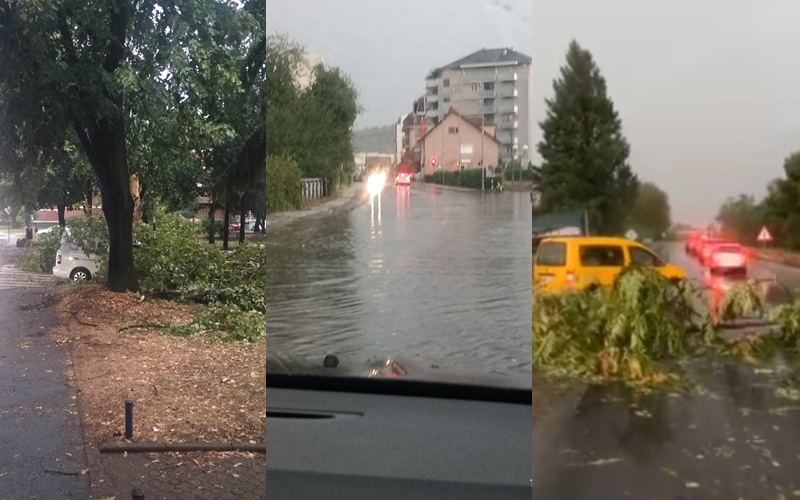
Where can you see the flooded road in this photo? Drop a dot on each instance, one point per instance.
(737, 436)
(432, 276)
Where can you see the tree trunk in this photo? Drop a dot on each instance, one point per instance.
(103, 141)
(106, 149)
(87, 209)
(225, 229)
(144, 211)
(62, 220)
(242, 215)
(211, 223)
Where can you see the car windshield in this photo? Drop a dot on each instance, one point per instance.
(410, 250)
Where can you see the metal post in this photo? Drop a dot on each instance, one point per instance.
(137, 494)
(129, 419)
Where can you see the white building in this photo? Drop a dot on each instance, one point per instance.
(495, 84)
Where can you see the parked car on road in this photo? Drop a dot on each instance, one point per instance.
(72, 262)
(585, 262)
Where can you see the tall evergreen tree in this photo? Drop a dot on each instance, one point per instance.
(584, 153)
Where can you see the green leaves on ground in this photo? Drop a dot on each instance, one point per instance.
(172, 262)
(639, 329)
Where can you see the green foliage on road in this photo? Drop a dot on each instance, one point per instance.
(643, 327)
(312, 125)
(584, 153)
(285, 187)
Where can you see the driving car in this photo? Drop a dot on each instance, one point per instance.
(725, 256)
(584, 262)
(402, 179)
(704, 248)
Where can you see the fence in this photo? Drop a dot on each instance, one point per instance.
(315, 188)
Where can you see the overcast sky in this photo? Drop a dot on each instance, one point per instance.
(708, 91)
(388, 46)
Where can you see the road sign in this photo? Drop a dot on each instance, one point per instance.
(631, 234)
(764, 235)
(7, 210)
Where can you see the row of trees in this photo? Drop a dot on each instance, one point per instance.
(310, 128)
(585, 156)
(93, 92)
(743, 216)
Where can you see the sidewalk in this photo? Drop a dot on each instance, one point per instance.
(350, 197)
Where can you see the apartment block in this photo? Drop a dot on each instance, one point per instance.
(492, 84)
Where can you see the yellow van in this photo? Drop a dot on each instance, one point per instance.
(580, 262)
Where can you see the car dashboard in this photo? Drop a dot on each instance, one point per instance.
(351, 438)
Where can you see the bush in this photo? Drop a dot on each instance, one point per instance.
(284, 184)
(470, 178)
(42, 255)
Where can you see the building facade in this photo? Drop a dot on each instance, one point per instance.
(456, 142)
(493, 84)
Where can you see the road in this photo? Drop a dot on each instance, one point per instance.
(428, 275)
(40, 430)
(736, 437)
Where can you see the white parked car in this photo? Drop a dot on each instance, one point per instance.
(72, 263)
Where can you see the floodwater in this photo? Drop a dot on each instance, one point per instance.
(432, 276)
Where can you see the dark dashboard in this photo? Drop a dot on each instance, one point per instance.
(393, 438)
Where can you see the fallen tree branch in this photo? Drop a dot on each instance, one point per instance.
(143, 325)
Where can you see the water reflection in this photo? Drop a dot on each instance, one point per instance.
(437, 277)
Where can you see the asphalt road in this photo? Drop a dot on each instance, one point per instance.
(736, 437)
(40, 436)
(432, 276)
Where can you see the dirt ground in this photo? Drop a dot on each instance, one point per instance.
(183, 389)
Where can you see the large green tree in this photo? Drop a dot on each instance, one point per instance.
(651, 213)
(93, 67)
(741, 218)
(311, 125)
(584, 152)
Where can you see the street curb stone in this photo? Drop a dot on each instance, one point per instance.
(180, 447)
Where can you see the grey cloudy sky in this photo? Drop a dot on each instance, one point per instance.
(708, 91)
(388, 46)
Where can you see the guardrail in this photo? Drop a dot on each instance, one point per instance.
(783, 257)
(314, 188)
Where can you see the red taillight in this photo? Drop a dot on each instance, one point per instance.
(58, 257)
(570, 276)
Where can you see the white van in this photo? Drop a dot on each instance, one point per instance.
(72, 263)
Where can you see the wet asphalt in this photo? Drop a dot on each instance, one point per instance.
(736, 436)
(40, 435)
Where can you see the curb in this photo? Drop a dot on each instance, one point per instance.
(453, 188)
(180, 447)
(357, 199)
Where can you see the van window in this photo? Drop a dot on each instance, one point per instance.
(641, 257)
(552, 254)
(602, 256)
